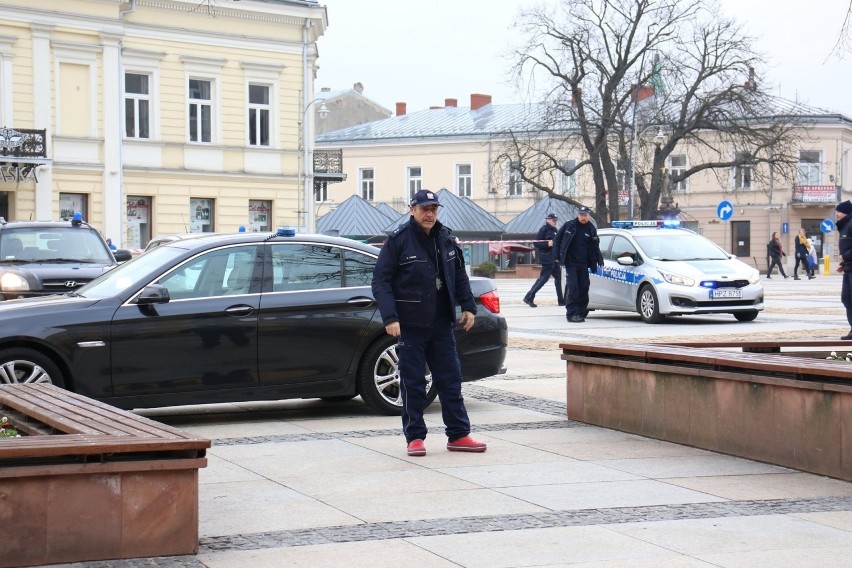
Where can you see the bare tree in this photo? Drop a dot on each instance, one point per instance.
(601, 57)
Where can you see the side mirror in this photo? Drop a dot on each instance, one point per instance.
(153, 294)
(122, 255)
(626, 259)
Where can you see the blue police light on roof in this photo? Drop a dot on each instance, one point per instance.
(653, 223)
(77, 219)
(286, 232)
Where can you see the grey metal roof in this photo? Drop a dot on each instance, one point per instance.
(530, 221)
(441, 122)
(450, 122)
(355, 217)
(391, 213)
(461, 215)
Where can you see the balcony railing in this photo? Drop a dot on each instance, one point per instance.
(22, 143)
(814, 194)
(328, 161)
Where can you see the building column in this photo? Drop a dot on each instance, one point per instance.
(112, 224)
(44, 196)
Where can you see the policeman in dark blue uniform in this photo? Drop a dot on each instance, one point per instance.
(544, 244)
(578, 250)
(418, 280)
(843, 215)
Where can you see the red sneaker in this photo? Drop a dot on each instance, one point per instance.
(416, 448)
(466, 444)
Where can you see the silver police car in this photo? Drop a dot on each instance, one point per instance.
(658, 269)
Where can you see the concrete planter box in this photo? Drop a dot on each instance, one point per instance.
(92, 482)
(780, 409)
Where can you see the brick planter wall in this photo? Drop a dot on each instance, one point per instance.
(802, 424)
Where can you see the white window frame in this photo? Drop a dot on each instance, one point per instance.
(267, 75)
(568, 184)
(810, 168)
(738, 175)
(513, 184)
(413, 182)
(205, 69)
(260, 109)
(367, 186)
(464, 182)
(136, 97)
(682, 185)
(143, 63)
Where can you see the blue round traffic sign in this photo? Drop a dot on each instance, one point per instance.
(725, 210)
(826, 226)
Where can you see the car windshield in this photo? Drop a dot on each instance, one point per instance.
(53, 244)
(678, 247)
(138, 270)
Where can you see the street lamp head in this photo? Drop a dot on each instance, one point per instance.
(323, 111)
(660, 137)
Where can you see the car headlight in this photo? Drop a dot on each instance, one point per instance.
(672, 278)
(754, 278)
(11, 282)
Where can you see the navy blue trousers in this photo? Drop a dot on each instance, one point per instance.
(434, 346)
(846, 295)
(577, 287)
(548, 270)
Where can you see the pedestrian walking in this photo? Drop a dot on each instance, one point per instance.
(844, 232)
(418, 281)
(812, 259)
(544, 244)
(775, 251)
(801, 243)
(578, 249)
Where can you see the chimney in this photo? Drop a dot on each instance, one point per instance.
(358, 88)
(478, 101)
(451, 103)
(751, 84)
(325, 90)
(400, 109)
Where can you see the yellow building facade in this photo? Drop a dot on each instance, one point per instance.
(159, 116)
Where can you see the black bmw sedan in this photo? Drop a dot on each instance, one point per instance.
(226, 318)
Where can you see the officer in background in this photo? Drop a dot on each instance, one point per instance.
(418, 280)
(843, 216)
(544, 244)
(578, 249)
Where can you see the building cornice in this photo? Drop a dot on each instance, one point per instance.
(233, 13)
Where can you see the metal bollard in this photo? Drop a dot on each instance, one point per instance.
(826, 265)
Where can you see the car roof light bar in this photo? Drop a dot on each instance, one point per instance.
(669, 223)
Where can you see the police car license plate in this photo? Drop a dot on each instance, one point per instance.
(726, 293)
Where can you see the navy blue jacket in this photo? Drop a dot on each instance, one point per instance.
(844, 230)
(546, 233)
(404, 277)
(566, 234)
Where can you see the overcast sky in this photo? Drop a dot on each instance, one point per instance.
(422, 52)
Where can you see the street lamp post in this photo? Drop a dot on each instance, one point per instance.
(658, 139)
(307, 167)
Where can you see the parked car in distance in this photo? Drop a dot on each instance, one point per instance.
(225, 318)
(40, 258)
(657, 269)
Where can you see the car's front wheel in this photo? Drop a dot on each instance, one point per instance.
(20, 365)
(746, 316)
(648, 305)
(378, 378)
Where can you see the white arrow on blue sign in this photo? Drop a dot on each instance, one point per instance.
(826, 226)
(725, 210)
